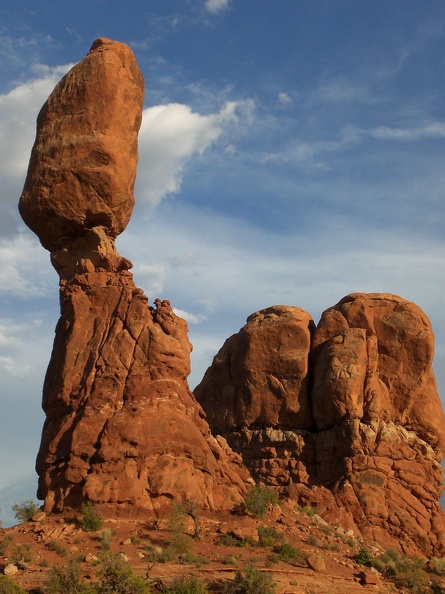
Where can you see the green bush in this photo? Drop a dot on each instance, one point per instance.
(437, 565)
(269, 536)
(436, 588)
(7, 586)
(306, 509)
(186, 585)
(117, 577)
(286, 552)
(55, 546)
(363, 557)
(67, 579)
(21, 554)
(409, 573)
(313, 540)
(92, 521)
(229, 540)
(25, 510)
(229, 560)
(4, 544)
(259, 499)
(251, 581)
(106, 537)
(180, 543)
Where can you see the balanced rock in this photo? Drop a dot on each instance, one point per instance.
(359, 431)
(83, 164)
(122, 426)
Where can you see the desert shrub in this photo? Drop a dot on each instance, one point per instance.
(116, 576)
(437, 565)
(436, 588)
(21, 554)
(269, 536)
(7, 586)
(4, 544)
(67, 579)
(180, 543)
(186, 585)
(363, 557)
(326, 529)
(229, 560)
(229, 540)
(92, 521)
(106, 537)
(157, 554)
(306, 509)
(25, 510)
(287, 552)
(312, 540)
(55, 546)
(408, 573)
(251, 581)
(259, 499)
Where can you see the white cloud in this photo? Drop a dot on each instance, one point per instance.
(284, 99)
(428, 130)
(25, 270)
(170, 135)
(190, 317)
(215, 6)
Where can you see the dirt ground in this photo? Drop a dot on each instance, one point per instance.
(214, 557)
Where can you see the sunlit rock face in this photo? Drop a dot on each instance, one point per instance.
(344, 415)
(121, 423)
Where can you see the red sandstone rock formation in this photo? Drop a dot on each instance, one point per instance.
(370, 454)
(258, 383)
(121, 424)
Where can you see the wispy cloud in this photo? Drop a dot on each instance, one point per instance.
(24, 268)
(215, 6)
(427, 130)
(170, 135)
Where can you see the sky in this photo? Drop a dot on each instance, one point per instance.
(291, 152)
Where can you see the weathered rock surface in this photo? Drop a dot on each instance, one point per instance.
(368, 447)
(83, 163)
(258, 383)
(121, 423)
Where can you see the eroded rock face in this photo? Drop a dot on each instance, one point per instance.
(121, 423)
(368, 451)
(258, 383)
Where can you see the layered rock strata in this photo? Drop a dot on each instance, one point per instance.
(345, 416)
(121, 423)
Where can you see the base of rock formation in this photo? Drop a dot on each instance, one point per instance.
(121, 424)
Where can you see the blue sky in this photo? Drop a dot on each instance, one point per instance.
(291, 152)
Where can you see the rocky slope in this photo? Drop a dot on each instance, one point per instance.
(121, 423)
(345, 415)
(317, 557)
